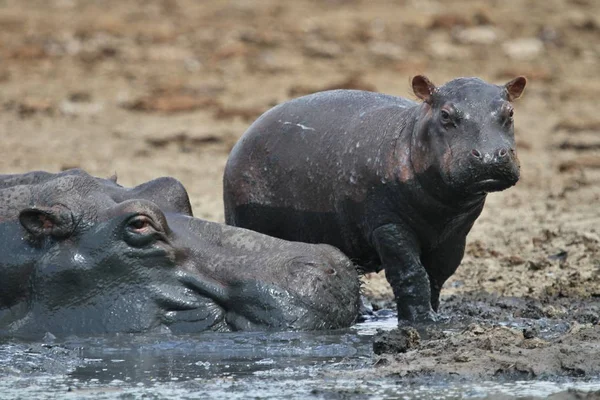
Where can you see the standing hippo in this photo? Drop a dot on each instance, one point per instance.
(81, 255)
(394, 184)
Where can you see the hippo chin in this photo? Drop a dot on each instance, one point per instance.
(393, 183)
(81, 255)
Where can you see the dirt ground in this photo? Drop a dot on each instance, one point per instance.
(165, 87)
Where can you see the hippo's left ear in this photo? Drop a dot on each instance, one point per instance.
(423, 88)
(56, 221)
(515, 88)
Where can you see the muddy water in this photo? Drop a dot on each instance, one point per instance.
(235, 365)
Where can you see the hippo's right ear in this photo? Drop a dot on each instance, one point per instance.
(423, 88)
(515, 88)
(56, 221)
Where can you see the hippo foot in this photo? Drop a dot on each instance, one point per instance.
(420, 319)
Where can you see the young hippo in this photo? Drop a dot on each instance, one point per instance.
(393, 183)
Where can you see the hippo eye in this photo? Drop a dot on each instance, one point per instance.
(139, 223)
(445, 117)
(507, 113)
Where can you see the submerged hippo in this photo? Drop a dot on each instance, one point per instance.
(80, 254)
(392, 183)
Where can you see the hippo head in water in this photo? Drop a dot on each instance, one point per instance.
(84, 255)
(464, 141)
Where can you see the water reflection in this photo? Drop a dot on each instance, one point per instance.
(137, 358)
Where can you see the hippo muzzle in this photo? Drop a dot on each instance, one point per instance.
(493, 171)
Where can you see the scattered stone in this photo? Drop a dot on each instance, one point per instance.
(448, 51)
(321, 49)
(535, 73)
(561, 256)
(183, 141)
(524, 48)
(30, 106)
(171, 101)
(387, 51)
(538, 264)
(576, 124)
(475, 329)
(478, 35)
(462, 358)
(353, 81)
(245, 113)
(513, 260)
(398, 340)
(530, 332)
(74, 108)
(448, 21)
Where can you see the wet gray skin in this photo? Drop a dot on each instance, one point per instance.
(393, 183)
(83, 255)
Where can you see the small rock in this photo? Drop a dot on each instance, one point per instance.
(513, 260)
(475, 329)
(477, 35)
(396, 341)
(31, 106)
(323, 49)
(387, 50)
(534, 343)
(583, 21)
(524, 48)
(538, 264)
(587, 317)
(530, 332)
(448, 51)
(49, 337)
(462, 357)
(448, 21)
(79, 108)
(80, 97)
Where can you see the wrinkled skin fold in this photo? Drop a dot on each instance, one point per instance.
(84, 255)
(393, 183)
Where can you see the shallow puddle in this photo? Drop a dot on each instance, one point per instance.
(230, 365)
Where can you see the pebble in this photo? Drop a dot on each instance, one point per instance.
(523, 49)
(477, 35)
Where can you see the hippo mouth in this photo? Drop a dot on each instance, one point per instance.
(491, 185)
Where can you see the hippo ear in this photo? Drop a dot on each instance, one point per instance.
(113, 178)
(56, 221)
(515, 88)
(423, 88)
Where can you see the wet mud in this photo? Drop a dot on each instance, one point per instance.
(491, 337)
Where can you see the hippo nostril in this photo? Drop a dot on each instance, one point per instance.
(475, 153)
(502, 153)
(330, 271)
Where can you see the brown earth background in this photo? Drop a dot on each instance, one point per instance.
(165, 87)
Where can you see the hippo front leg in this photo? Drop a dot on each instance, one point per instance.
(399, 253)
(441, 263)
